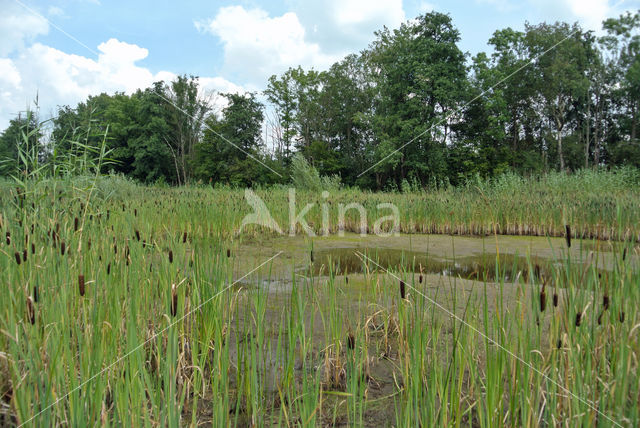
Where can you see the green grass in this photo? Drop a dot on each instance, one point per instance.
(324, 352)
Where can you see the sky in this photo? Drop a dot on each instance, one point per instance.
(61, 51)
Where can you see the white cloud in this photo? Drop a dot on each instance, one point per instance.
(590, 12)
(257, 45)
(59, 78)
(345, 26)
(18, 27)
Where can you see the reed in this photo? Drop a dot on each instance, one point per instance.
(318, 351)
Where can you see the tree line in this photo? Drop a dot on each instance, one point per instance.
(411, 108)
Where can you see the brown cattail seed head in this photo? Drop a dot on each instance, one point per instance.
(605, 302)
(170, 256)
(81, 284)
(36, 296)
(228, 252)
(624, 254)
(420, 279)
(559, 345)
(555, 299)
(346, 279)
(184, 237)
(351, 341)
(8, 238)
(578, 319)
(24, 255)
(402, 290)
(63, 248)
(621, 316)
(543, 300)
(567, 229)
(75, 224)
(109, 268)
(174, 300)
(137, 235)
(33, 248)
(600, 317)
(18, 259)
(31, 311)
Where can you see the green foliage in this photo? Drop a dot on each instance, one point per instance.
(305, 176)
(409, 109)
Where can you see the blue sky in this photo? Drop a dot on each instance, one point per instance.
(231, 45)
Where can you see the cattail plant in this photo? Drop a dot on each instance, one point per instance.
(137, 235)
(543, 299)
(621, 317)
(420, 279)
(75, 224)
(624, 254)
(170, 256)
(81, 284)
(402, 289)
(24, 256)
(184, 237)
(63, 248)
(31, 311)
(605, 301)
(567, 229)
(228, 252)
(8, 238)
(174, 300)
(578, 319)
(18, 259)
(109, 268)
(36, 296)
(351, 341)
(555, 299)
(33, 248)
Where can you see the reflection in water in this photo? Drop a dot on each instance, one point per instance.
(342, 261)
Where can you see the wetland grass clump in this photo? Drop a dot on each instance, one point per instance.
(254, 356)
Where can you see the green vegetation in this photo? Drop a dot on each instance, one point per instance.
(412, 107)
(131, 305)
